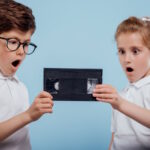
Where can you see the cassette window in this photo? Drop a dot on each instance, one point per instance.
(71, 84)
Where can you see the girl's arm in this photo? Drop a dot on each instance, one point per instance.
(108, 94)
(141, 115)
(112, 138)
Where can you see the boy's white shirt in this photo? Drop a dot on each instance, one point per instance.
(129, 134)
(13, 100)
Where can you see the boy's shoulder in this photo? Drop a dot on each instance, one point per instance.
(13, 79)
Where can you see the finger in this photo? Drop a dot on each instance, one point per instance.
(104, 100)
(44, 94)
(103, 86)
(45, 100)
(46, 106)
(103, 90)
(104, 96)
(98, 86)
(43, 111)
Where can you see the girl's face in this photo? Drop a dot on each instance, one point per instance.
(134, 56)
(11, 60)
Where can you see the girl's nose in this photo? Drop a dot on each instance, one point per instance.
(128, 57)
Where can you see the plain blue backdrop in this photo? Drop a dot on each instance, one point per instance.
(76, 34)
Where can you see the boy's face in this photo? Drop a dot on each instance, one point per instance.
(11, 60)
(134, 56)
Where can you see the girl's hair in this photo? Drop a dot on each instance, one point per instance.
(134, 24)
(14, 15)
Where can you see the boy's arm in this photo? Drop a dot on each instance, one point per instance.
(41, 105)
(108, 94)
(12, 125)
(112, 138)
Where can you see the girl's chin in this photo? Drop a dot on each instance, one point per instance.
(132, 80)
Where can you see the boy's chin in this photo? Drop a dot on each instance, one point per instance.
(8, 74)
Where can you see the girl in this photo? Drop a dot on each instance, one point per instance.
(131, 108)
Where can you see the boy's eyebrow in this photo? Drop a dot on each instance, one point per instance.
(14, 37)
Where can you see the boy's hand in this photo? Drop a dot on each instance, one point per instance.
(42, 104)
(108, 94)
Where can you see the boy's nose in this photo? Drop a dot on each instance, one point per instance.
(20, 50)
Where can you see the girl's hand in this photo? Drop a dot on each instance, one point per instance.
(108, 94)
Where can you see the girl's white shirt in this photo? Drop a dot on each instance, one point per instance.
(129, 134)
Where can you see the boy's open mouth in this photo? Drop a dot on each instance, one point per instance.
(129, 69)
(16, 63)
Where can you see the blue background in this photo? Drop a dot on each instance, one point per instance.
(76, 34)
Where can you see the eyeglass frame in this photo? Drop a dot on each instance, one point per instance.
(19, 43)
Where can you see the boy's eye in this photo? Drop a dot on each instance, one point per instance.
(121, 51)
(13, 41)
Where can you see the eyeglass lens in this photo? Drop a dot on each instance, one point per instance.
(14, 44)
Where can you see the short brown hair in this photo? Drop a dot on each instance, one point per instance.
(14, 15)
(134, 24)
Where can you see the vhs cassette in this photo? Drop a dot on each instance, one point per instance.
(71, 84)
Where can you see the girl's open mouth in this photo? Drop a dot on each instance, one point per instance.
(129, 69)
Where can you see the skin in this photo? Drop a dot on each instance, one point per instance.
(7, 57)
(43, 101)
(132, 54)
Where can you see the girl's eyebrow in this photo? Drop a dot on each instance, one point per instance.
(120, 47)
(139, 47)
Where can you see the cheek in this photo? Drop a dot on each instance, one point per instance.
(148, 62)
(4, 56)
(3, 62)
(24, 57)
(143, 63)
(121, 62)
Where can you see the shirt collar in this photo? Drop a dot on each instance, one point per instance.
(141, 82)
(14, 77)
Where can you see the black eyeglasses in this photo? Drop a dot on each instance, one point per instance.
(13, 44)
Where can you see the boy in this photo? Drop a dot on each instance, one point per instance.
(17, 25)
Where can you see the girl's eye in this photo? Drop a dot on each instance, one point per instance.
(135, 51)
(121, 52)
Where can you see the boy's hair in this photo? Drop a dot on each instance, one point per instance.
(14, 15)
(134, 24)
